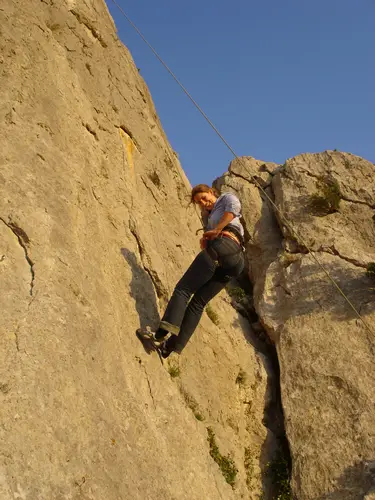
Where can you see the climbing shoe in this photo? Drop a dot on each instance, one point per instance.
(164, 351)
(147, 334)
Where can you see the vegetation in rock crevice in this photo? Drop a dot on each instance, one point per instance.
(174, 371)
(192, 404)
(327, 200)
(277, 472)
(248, 466)
(370, 270)
(226, 463)
(236, 292)
(279, 468)
(212, 315)
(241, 378)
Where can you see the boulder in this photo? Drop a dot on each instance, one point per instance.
(326, 351)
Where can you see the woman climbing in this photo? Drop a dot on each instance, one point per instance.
(221, 259)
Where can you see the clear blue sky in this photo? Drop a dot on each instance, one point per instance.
(277, 77)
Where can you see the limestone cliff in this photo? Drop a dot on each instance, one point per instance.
(326, 353)
(95, 232)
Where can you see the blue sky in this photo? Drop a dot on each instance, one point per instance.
(277, 77)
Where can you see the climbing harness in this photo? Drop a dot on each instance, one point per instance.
(240, 243)
(292, 232)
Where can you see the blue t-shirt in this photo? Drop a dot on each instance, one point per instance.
(227, 202)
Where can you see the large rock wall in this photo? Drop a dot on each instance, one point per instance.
(95, 232)
(326, 353)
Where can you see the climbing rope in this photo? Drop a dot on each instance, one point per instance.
(292, 232)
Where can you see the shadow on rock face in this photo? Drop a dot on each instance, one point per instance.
(356, 483)
(143, 293)
(275, 444)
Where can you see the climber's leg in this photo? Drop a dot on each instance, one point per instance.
(200, 271)
(197, 304)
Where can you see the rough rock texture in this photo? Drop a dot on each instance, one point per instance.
(263, 235)
(326, 354)
(95, 230)
(94, 233)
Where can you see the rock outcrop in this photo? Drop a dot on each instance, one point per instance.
(96, 229)
(95, 232)
(326, 352)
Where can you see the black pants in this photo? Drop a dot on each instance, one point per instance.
(204, 279)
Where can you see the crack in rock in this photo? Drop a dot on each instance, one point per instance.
(158, 285)
(273, 416)
(84, 44)
(91, 130)
(342, 196)
(286, 291)
(255, 180)
(23, 240)
(333, 251)
(358, 202)
(149, 189)
(17, 340)
(88, 25)
(149, 387)
(128, 132)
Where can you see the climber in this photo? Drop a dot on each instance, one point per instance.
(221, 258)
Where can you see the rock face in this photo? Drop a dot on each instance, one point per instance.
(95, 232)
(325, 351)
